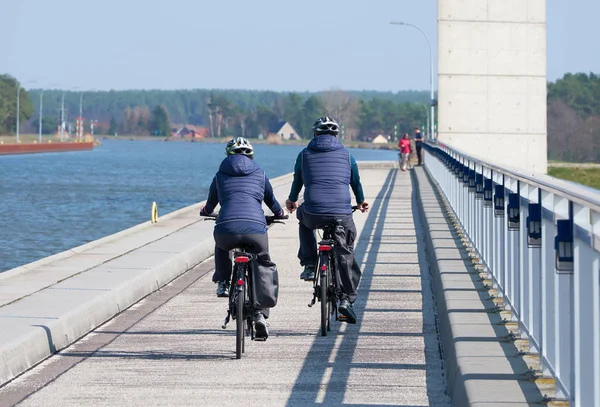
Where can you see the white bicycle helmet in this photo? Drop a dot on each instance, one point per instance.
(239, 145)
(326, 125)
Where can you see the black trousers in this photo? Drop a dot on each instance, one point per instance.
(419, 147)
(253, 243)
(308, 252)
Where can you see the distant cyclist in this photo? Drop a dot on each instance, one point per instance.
(325, 169)
(239, 187)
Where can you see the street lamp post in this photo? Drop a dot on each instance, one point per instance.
(41, 116)
(18, 110)
(62, 117)
(92, 122)
(431, 121)
(80, 128)
(427, 120)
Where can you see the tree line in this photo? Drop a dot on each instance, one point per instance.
(242, 112)
(573, 112)
(574, 118)
(223, 112)
(9, 89)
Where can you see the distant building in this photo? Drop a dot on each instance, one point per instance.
(191, 131)
(285, 131)
(381, 139)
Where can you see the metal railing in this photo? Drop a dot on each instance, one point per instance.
(539, 241)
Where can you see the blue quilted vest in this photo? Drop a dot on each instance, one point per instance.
(240, 189)
(326, 175)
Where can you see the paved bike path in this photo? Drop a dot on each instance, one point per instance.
(169, 349)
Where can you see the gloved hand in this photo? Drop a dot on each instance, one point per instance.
(203, 212)
(280, 214)
(291, 206)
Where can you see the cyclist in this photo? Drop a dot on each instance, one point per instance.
(239, 187)
(325, 169)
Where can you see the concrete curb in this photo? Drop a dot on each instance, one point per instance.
(483, 365)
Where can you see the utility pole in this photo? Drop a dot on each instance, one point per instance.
(18, 110)
(41, 116)
(80, 128)
(92, 122)
(62, 117)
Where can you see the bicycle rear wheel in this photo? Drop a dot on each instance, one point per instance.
(240, 319)
(332, 284)
(324, 300)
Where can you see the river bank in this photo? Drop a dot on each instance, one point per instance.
(223, 140)
(33, 148)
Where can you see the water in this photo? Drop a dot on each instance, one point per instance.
(53, 202)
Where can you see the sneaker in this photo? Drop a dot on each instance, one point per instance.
(308, 274)
(223, 289)
(347, 311)
(260, 327)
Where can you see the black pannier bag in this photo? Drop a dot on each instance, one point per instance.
(265, 281)
(344, 259)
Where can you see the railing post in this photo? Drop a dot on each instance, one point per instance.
(478, 202)
(471, 201)
(523, 261)
(535, 266)
(563, 307)
(507, 245)
(455, 188)
(464, 198)
(488, 216)
(548, 340)
(585, 270)
(595, 220)
(499, 231)
(512, 244)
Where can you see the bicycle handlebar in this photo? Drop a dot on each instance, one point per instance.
(270, 219)
(275, 219)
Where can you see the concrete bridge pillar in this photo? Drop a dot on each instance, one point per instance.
(492, 80)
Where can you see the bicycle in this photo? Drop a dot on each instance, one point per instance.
(240, 292)
(325, 284)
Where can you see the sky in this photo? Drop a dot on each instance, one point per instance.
(307, 45)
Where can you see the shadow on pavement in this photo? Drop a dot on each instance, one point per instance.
(317, 360)
(223, 332)
(148, 355)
